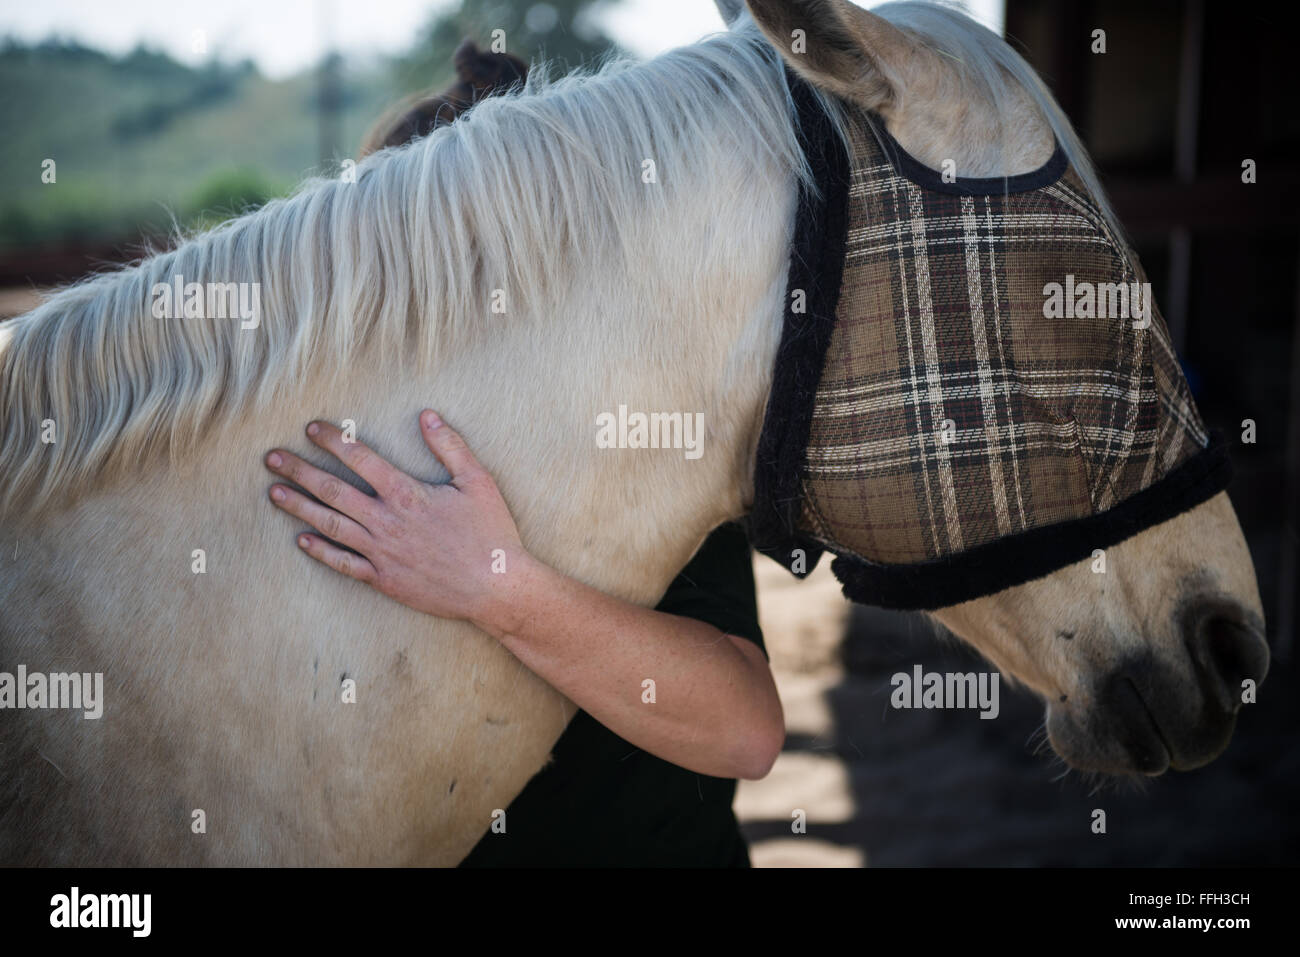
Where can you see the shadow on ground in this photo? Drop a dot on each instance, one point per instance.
(945, 788)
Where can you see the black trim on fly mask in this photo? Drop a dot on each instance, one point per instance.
(928, 178)
(1038, 552)
(816, 267)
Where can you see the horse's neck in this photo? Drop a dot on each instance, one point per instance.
(693, 330)
(699, 342)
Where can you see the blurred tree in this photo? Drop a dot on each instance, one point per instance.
(560, 30)
(228, 193)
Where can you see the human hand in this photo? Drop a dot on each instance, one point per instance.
(436, 548)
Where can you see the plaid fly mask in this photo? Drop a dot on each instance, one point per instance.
(973, 387)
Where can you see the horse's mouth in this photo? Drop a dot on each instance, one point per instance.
(1123, 733)
(1119, 735)
(1152, 757)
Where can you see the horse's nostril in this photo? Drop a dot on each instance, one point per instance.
(1227, 650)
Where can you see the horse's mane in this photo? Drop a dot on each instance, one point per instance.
(517, 196)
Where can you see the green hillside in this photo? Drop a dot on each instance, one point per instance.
(140, 140)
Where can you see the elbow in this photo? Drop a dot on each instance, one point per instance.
(761, 749)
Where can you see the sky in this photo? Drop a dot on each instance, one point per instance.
(286, 36)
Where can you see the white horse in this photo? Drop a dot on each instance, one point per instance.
(617, 239)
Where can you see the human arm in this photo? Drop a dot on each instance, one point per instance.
(433, 548)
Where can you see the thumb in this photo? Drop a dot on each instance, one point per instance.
(451, 450)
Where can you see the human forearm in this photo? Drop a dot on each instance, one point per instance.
(712, 708)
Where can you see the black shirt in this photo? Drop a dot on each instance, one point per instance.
(603, 801)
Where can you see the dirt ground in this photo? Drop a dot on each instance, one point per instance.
(886, 787)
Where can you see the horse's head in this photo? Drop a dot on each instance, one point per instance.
(1145, 651)
(479, 74)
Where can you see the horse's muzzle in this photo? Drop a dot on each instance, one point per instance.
(1155, 711)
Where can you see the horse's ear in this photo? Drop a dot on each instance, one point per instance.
(729, 9)
(839, 47)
